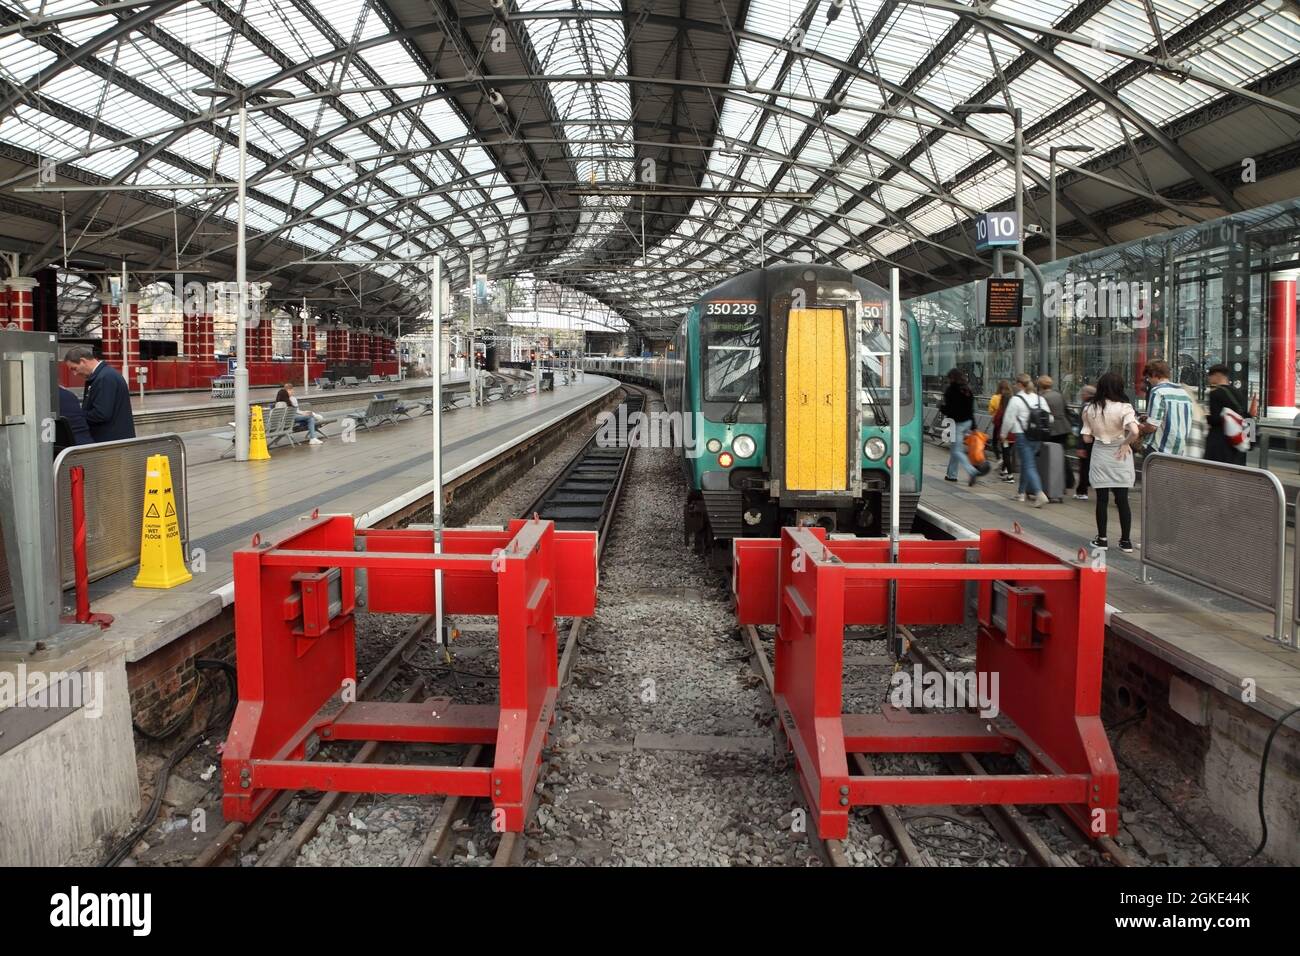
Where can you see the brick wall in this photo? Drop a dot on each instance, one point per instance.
(1133, 678)
(162, 685)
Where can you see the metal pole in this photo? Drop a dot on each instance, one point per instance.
(241, 280)
(1020, 230)
(435, 304)
(1051, 241)
(895, 367)
(473, 361)
(398, 344)
(306, 371)
(124, 322)
(1051, 209)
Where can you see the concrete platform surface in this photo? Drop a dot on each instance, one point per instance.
(1208, 635)
(231, 501)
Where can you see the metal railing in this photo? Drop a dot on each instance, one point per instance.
(114, 483)
(1220, 526)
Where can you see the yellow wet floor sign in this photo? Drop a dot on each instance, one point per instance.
(162, 562)
(257, 436)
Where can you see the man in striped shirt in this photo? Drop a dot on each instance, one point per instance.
(1169, 410)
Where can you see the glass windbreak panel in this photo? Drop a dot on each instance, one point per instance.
(874, 384)
(1189, 334)
(733, 356)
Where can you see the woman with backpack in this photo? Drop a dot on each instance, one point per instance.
(1225, 441)
(1029, 421)
(1109, 427)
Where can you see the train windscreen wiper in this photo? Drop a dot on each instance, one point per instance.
(877, 409)
(733, 415)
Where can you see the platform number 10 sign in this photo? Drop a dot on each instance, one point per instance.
(994, 229)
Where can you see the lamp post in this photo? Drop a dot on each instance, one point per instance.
(241, 260)
(966, 109)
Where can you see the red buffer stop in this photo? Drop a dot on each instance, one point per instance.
(295, 601)
(1041, 629)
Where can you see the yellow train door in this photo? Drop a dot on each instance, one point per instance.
(816, 410)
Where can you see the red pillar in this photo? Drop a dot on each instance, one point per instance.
(335, 344)
(1281, 345)
(19, 310)
(132, 331)
(111, 337)
(191, 335)
(206, 337)
(297, 338)
(258, 341)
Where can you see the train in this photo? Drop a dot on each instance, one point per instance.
(774, 422)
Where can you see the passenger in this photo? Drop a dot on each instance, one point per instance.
(1026, 412)
(1110, 425)
(1006, 451)
(285, 398)
(1167, 424)
(71, 412)
(106, 399)
(1085, 449)
(1061, 429)
(1223, 397)
(959, 405)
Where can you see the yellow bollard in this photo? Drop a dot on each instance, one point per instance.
(162, 563)
(257, 450)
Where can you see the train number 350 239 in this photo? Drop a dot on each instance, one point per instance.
(731, 308)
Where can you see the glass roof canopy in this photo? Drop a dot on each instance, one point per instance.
(830, 135)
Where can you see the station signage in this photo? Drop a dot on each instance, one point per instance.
(995, 230)
(1004, 303)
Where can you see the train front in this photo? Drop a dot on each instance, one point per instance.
(796, 358)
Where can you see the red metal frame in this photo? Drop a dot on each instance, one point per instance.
(81, 576)
(1048, 660)
(296, 660)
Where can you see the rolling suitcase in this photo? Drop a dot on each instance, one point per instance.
(1051, 469)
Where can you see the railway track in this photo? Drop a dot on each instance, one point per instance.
(1008, 822)
(583, 496)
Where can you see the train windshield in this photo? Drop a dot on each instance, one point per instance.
(873, 357)
(733, 358)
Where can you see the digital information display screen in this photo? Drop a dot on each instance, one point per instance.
(1004, 303)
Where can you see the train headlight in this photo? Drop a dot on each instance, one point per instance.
(714, 446)
(904, 448)
(725, 459)
(743, 446)
(874, 448)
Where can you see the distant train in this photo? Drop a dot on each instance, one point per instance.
(780, 425)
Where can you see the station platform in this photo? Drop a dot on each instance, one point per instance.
(1200, 632)
(382, 471)
(180, 412)
(141, 670)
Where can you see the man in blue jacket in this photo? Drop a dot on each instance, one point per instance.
(106, 399)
